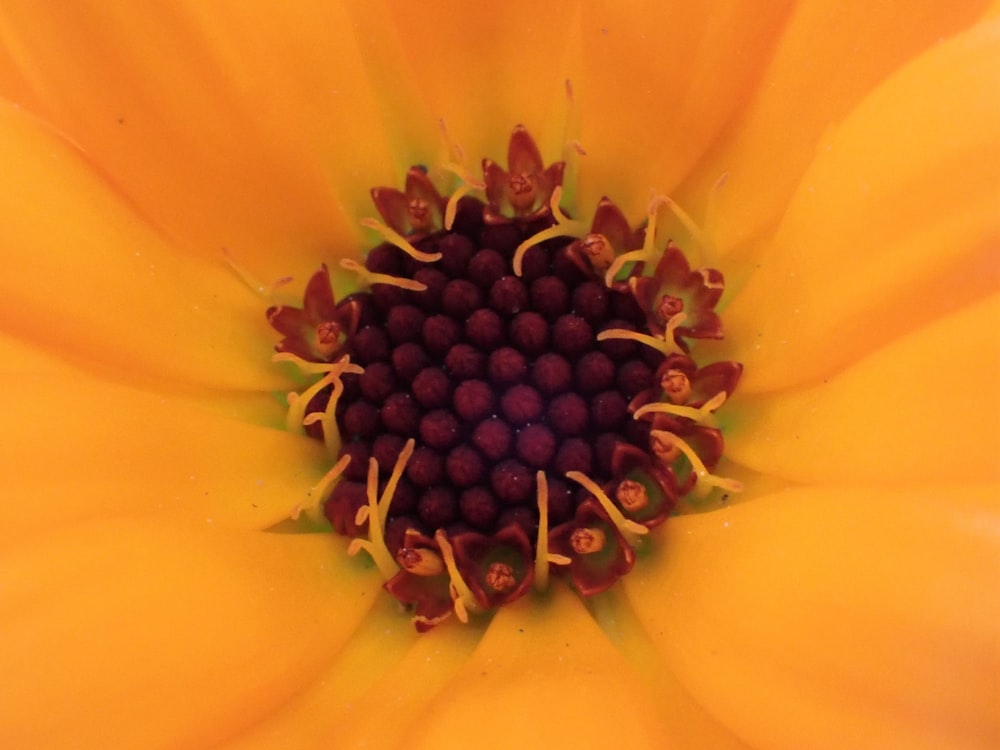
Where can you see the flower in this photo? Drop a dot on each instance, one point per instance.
(847, 599)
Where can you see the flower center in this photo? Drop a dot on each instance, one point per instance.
(506, 395)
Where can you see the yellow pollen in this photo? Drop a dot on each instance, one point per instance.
(598, 250)
(521, 192)
(701, 415)
(677, 386)
(632, 495)
(542, 545)
(668, 307)
(463, 600)
(500, 577)
(370, 277)
(630, 529)
(587, 541)
(420, 562)
(706, 480)
(648, 250)
(375, 544)
(327, 337)
(393, 237)
(564, 227)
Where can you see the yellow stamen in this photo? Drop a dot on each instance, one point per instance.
(706, 480)
(461, 595)
(340, 366)
(648, 250)
(668, 344)
(328, 418)
(467, 184)
(321, 490)
(267, 292)
(701, 415)
(370, 277)
(393, 237)
(627, 527)
(542, 546)
(564, 227)
(296, 417)
(375, 544)
(397, 473)
(420, 562)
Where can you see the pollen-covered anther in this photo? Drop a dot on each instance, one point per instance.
(598, 251)
(667, 307)
(632, 495)
(421, 562)
(500, 577)
(587, 541)
(328, 338)
(522, 191)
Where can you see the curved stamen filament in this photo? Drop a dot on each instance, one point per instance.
(296, 417)
(375, 544)
(342, 365)
(328, 418)
(462, 597)
(648, 250)
(370, 277)
(564, 227)
(393, 237)
(706, 480)
(668, 344)
(397, 473)
(267, 292)
(467, 184)
(630, 529)
(321, 490)
(542, 546)
(700, 414)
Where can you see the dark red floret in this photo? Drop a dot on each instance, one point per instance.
(432, 388)
(509, 296)
(486, 329)
(465, 467)
(507, 366)
(474, 400)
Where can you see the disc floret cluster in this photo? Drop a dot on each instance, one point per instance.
(511, 394)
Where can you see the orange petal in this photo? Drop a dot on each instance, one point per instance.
(79, 447)
(835, 618)
(830, 57)
(894, 225)
(546, 676)
(251, 127)
(658, 84)
(86, 276)
(147, 634)
(923, 409)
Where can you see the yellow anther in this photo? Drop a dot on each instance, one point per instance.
(462, 597)
(677, 386)
(370, 277)
(393, 237)
(706, 480)
(542, 545)
(628, 528)
(648, 250)
(375, 544)
(701, 415)
(564, 227)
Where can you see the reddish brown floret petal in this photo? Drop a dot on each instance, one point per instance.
(659, 481)
(395, 207)
(596, 571)
(478, 555)
(429, 595)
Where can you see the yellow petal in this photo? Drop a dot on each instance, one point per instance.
(835, 618)
(893, 226)
(659, 81)
(830, 56)
(142, 634)
(545, 676)
(86, 276)
(231, 125)
(923, 409)
(80, 447)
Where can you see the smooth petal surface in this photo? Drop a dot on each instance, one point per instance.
(179, 635)
(83, 447)
(893, 226)
(830, 56)
(835, 618)
(230, 125)
(923, 409)
(84, 275)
